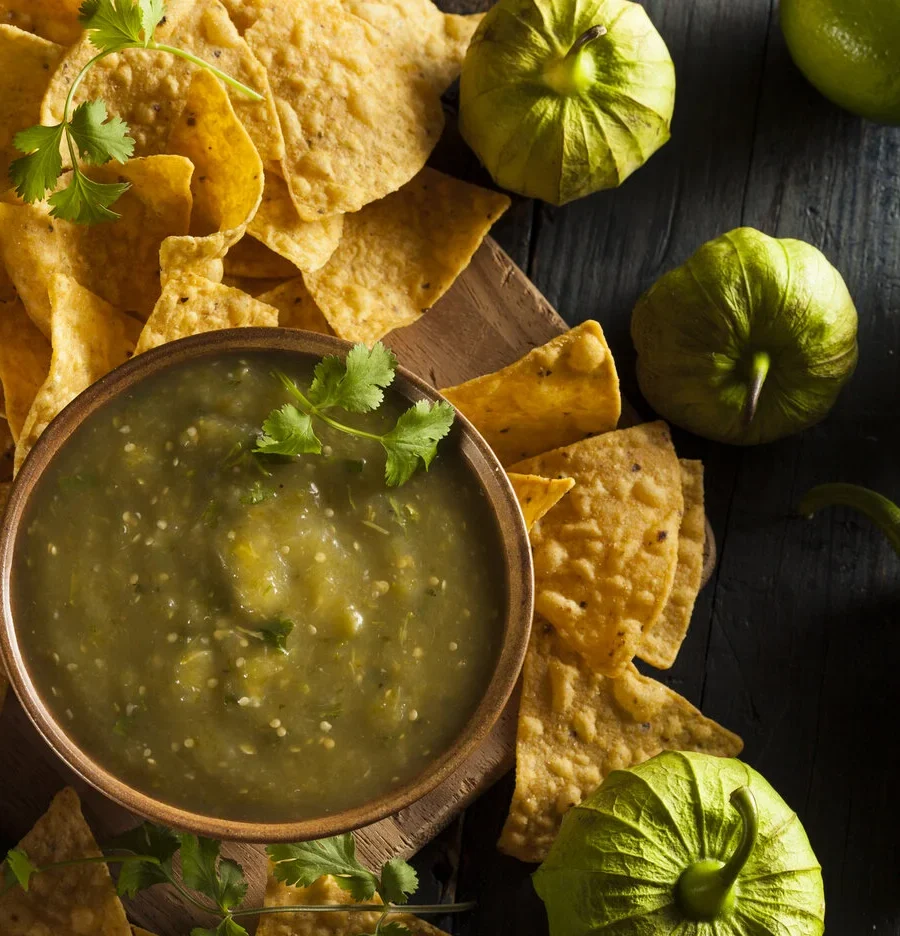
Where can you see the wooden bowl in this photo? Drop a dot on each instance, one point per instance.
(516, 623)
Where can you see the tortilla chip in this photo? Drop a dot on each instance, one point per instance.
(307, 244)
(254, 260)
(73, 901)
(118, 261)
(397, 257)
(148, 89)
(202, 256)
(227, 185)
(538, 495)
(89, 338)
(24, 362)
(605, 557)
(323, 892)
(296, 308)
(358, 122)
(190, 305)
(433, 41)
(663, 639)
(26, 63)
(557, 394)
(55, 20)
(576, 727)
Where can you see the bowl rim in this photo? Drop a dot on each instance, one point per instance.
(516, 562)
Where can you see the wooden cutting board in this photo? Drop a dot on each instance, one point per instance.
(491, 317)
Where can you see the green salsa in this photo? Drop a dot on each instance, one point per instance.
(259, 638)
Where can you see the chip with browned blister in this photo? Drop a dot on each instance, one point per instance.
(576, 726)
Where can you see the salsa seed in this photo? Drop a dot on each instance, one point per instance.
(71, 667)
(320, 557)
(325, 726)
(243, 700)
(174, 462)
(133, 578)
(142, 690)
(172, 637)
(124, 429)
(328, 743)
(162, 524)
(129, 447)
(327, 450)
(52, 549)
(69, 714)
(434, 580)
(149, 541)
(151, 761)
(275, 723)
(418, 653)
(212, 682)
(162, 578)
(55, 657)
(245, 642)
(248, 749)
(130, 709)
(329, 512)
(285, 550)
(381, 588)
(454, 645)
(147, 752)
(232, 535)
(191, 431)
(127, 516)
(313, 630)
(413, 715)
(189, 743)
(239, 662)
(281, 732)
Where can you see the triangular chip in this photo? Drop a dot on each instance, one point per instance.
(26, 63)
(147, 89)
(190, 305)
(358, 121)
(576, 726)
(538, 495)
(323, 892)
(605, 557)
(79, 900)
(227, 185)
(200, 256)
(56, 20)
(663, 639)
(119, 261)
(557, 394)
(398, 256)
(308, 245)
(89, 338)
(296, 308)
(24, 362)
(255, 260)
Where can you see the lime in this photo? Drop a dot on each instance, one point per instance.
(850, 50)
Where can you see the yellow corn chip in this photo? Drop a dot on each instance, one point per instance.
(254, 260)
(190, 305)
(244, 13)
(433, 41)
(663, 639)
(398, 256)
(89, 339)
(296, 308)
(26, 63)
(576, 726)
(538, 495)
(24, 362)
(307, 244)
(118, 261)
(73, 901)
(323, 892)
(148, 89)
(56, 20)
(557, 394)
(227, 184)
(358, 122)
(605, 557)
(202, 256)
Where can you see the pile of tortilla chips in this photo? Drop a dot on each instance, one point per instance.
(617, 528)
(312, 208)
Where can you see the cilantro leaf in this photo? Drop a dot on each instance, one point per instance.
(112, 25)
(203, 871)
(228, 927)
(85, 201)
(276, 632)
(415, 439)
(355, 384)
(288, 431)
(37, 173)
(303, 863)
(156, 842)
(138, 875)
(152, 12)
(21, 867)
(398, 881)
(100, 138)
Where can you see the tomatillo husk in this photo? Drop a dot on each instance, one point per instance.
(560, 99)
(750, 340)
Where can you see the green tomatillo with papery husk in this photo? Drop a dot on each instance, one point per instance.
(560, 98)
(684, 843)
(750, 340)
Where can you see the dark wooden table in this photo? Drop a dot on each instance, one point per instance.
(795, 642)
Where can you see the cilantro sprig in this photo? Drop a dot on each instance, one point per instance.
(90, 134)
(356, 384)
(217, 886)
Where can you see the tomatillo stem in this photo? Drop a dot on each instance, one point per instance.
(759, 370)
(884, 513)
(705, 890)
(572, 73)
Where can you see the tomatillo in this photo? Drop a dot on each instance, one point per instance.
(686, 843)
(751, 340)
(560, 99)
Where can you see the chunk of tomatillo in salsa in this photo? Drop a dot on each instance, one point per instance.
(255, 637)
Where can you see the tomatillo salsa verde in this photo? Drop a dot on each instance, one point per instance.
(258, 638)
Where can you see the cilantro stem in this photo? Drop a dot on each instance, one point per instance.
(188, 56)
(79, 78)
(423, 909)
(312, 410)
(99, 859)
